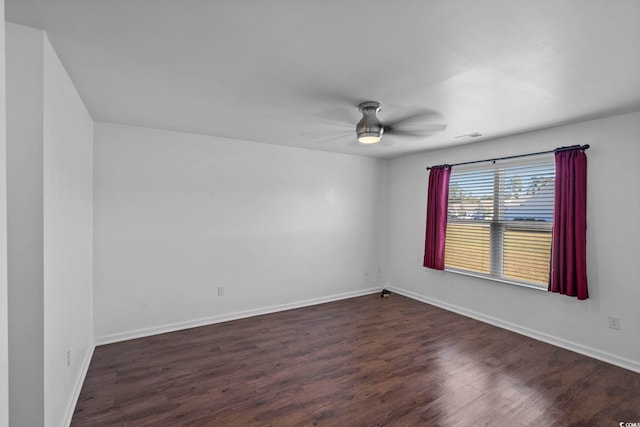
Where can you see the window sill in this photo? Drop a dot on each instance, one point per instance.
(495, 279)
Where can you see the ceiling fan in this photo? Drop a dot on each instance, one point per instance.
(370, 129)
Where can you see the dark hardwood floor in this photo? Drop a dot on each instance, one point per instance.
(365, 361)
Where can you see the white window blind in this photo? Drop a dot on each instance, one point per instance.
(499, 222)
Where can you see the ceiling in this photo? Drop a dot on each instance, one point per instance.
(291, 72)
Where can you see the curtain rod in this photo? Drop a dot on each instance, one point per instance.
(575, 147)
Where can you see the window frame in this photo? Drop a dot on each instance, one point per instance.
(497, 226)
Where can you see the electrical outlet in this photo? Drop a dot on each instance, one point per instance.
(220, 291)
(614, 322)
(68, 358)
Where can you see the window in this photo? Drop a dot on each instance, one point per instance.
(499, 222)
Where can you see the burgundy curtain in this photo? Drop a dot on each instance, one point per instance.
(569, 241)
(437, 201)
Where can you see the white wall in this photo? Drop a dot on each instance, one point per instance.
(613, 244)
(25, 224)
(4, 315)
(68, 240)
(49, 188)
(176, 215)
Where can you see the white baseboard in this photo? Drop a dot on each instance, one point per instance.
(77, 387)
(139, 333)
(622, 362)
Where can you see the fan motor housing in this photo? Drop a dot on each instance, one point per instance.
(369, 129)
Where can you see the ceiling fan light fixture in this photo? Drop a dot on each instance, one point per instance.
(369, 138)
(369, 129)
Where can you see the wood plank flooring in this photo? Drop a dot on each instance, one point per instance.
(364, 361)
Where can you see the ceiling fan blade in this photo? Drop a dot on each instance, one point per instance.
(323, 138)
(395, 132)
(417, 131)
(340, 116)
(418, 117)
(331, 96)
(387, 142)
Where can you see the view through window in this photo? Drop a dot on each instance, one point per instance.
(499, 222)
